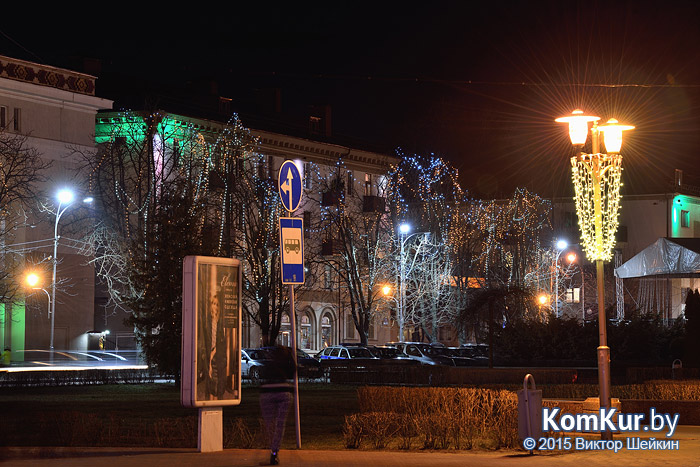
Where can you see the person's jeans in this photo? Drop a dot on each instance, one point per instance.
(274, 407)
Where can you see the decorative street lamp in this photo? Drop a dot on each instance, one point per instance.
(596, 179)
(404, 230)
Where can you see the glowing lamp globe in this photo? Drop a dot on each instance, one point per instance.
(543, 299)
(578, 126)
(612, 135)
(386, 290)
(32, 280)
(561, 245)
(65, 196)
(404, 228)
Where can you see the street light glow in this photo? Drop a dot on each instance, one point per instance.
(562, 244)
(404, 228)
(578, 126)
(571, 257)
(32, 279)
(65, 196)
(386, 290)
(612, 135)
(543, 299)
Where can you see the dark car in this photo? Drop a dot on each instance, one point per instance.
(337, 352)
(388, 352)
(461, 357)
(477, 352)
(427, 354)
(308, 366)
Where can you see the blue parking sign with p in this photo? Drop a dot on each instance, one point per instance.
(292, 250)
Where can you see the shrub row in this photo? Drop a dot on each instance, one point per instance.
(68, 378)
(437, 418)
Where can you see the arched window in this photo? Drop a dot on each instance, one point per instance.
(327, 329)
(306, 332)
(285, 336)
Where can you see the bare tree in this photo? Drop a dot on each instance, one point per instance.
(354, 241)
(22, 169)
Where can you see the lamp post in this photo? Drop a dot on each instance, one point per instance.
(404, 230)
(596, 179)
(32, 281)
(561, 246)
(65, 199)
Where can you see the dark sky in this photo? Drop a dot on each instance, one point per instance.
(479, 83)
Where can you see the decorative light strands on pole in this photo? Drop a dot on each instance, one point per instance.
(597, 180)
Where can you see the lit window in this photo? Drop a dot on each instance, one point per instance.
(685, 218)
(368, 184)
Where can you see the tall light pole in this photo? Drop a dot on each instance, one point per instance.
(596, 179)
(65, 199)
(561, 246)
(404, 230)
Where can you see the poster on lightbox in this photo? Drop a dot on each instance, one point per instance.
(212, 355)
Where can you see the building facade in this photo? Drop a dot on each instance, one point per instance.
(53, 110)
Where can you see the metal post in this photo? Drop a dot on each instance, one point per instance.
(402, 290)
(603, 349)
(293, 318)
(53, 287)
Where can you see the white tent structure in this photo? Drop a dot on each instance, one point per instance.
(666, 269)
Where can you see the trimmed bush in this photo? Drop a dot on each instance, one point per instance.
(441, 418)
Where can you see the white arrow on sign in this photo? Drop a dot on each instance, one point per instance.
(286, 187)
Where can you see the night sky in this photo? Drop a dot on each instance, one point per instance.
(478, 83)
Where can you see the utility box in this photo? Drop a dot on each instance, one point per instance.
(529, 410)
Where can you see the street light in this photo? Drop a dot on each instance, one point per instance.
(32, 280)
(65, 198)
(404, 230)
(561, 246)
(596, 179)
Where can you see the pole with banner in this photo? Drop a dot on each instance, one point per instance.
(292, 257)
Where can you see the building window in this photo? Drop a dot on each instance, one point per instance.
(368, 184)
(307, 175)
(349, 327)
(372, 333)
(685, 218)
(16, 122)
(327, 277)
(306, 332)
(573, 295)
(3, 117)
(326, 331)
(349, 182)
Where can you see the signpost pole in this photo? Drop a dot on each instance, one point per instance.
(292, 236)
(293, 319)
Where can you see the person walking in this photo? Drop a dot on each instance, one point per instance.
(276, 395)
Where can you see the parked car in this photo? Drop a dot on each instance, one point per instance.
(478, 352)
(427, 354)
(252, 361)
(337, 352)
(388, 352)
(461, 356)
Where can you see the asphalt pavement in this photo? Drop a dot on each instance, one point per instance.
(687, 454)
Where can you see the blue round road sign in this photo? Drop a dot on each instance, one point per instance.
(290, 186)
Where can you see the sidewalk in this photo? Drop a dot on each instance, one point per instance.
(688, 454)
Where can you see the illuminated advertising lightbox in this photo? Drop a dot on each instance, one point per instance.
(211, 330)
